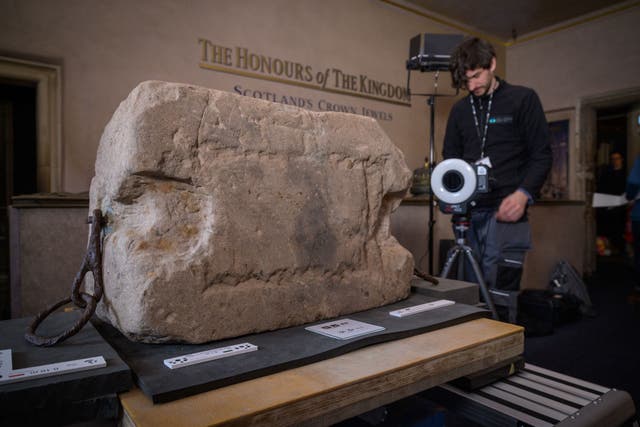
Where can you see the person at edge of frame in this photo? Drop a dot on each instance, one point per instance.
(632, 192)
(503, 126)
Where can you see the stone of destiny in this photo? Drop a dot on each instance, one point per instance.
(229, 215)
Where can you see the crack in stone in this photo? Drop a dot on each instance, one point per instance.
(162, 177)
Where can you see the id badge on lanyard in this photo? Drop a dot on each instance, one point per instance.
(484, 160)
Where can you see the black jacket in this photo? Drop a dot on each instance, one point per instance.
(517, 141)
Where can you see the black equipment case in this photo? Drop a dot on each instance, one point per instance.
(537, 312)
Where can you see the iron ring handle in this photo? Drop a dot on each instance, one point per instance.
(44, 341)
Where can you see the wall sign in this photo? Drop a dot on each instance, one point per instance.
(311, 104)
(242, 61)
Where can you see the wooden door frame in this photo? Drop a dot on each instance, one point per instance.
(47, 78)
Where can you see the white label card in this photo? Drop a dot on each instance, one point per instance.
(209, 355)
(344, 329)
(420, 308)
(5, 362)
(24, 374)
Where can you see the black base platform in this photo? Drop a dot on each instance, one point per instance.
(278, 350)
(51, 400)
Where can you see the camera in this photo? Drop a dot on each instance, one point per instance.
(457, 183)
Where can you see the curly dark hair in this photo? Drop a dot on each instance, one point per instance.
(472, 53)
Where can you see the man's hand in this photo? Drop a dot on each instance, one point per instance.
(512, 207)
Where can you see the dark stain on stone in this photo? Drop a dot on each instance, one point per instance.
(316, 242)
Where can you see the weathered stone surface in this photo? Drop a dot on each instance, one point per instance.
(230, 215)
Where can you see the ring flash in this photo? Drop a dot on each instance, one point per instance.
(455, 183)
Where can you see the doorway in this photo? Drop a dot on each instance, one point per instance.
(30, 147)
(18, 155)
(611, 177)
(606, 107)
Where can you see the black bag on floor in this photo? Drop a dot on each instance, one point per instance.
(566, 281)
(540, 311)
(537, 312)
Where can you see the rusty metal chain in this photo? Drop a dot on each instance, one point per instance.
(92, 262)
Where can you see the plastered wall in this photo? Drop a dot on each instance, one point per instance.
(591, 58)
(106, 48)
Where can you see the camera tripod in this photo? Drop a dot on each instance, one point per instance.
(460, 227)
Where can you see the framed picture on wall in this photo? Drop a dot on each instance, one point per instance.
(556, 187)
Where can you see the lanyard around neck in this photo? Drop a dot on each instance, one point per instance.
(483, 137)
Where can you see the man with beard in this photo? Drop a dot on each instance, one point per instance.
(502, 126)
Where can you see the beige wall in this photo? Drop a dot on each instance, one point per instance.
(558, 234)
(106, 48)
(588, 59)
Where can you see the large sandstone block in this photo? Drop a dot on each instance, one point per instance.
(229, 215)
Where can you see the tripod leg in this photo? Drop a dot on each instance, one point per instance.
(481, 283)
(451, 258)
(461, 268)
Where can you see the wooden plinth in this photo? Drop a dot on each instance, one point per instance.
(326, 392)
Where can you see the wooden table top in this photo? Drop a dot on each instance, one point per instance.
(329, 391)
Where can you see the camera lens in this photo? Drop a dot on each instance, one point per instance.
(453, 181)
